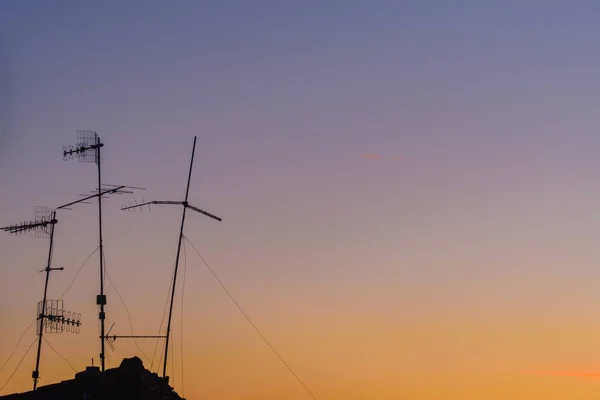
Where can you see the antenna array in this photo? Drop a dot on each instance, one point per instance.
(86, 141)
(51, 315)
(58, 320)
(28, 226)
(42, 213)
(185, 207)
(87, 150)
(111, 339)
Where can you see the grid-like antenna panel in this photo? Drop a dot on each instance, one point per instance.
(85, 150)
(56, 319)
(42, 214)
(53, 307)
(87, 139)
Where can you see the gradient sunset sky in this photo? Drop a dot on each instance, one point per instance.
(410, 191)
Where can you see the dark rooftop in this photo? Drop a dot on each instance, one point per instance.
(129, 381)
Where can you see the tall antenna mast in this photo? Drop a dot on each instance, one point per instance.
(87, 150)
(44, 217)
(56, 320)
(185, 205)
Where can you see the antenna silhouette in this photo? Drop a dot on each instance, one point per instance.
(57, 320)
(186, 206)
(87, 150)
(111, 339)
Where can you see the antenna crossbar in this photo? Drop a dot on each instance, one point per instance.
(28, 226)
(80, 149)
(87, 150)
(114, 337)
(182, 203)
(203, 212)
(185, 207)
(88, 197)
(147, 203)
(61, 319)
(111, 339)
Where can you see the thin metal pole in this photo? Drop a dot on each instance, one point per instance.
(187, 190)
(36, 373)
(101, 300)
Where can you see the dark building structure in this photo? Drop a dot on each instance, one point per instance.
(129, 381)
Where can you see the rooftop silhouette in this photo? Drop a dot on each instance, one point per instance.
(129, 381)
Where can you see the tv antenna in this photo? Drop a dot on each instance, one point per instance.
(185, 207)
(87, 150)
(111, 339)
(57, 320)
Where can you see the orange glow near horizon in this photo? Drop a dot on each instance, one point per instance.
(593, 375)
(410, 193)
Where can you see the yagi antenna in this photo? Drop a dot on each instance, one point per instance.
(135, 206)
(57, 320)
(111, 339)
(51, 317)
(39, 225)
(185, 207)
(87, 150)
(43, 219)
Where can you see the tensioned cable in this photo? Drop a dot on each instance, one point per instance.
(126, 309)
(249, 320)
(78, 271)
(58, 354)
(18, 365)
(17, 346)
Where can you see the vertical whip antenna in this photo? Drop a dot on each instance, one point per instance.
(185, 207)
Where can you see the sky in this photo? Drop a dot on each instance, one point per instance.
(408, 191)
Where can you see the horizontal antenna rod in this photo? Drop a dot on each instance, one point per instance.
(110, 339)
(63, 320)
(128, 187)
(203, 212)
(183, 203)
(107, 191)
(81, 149)
(27, 226)
(151, 202)
(113, 337)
